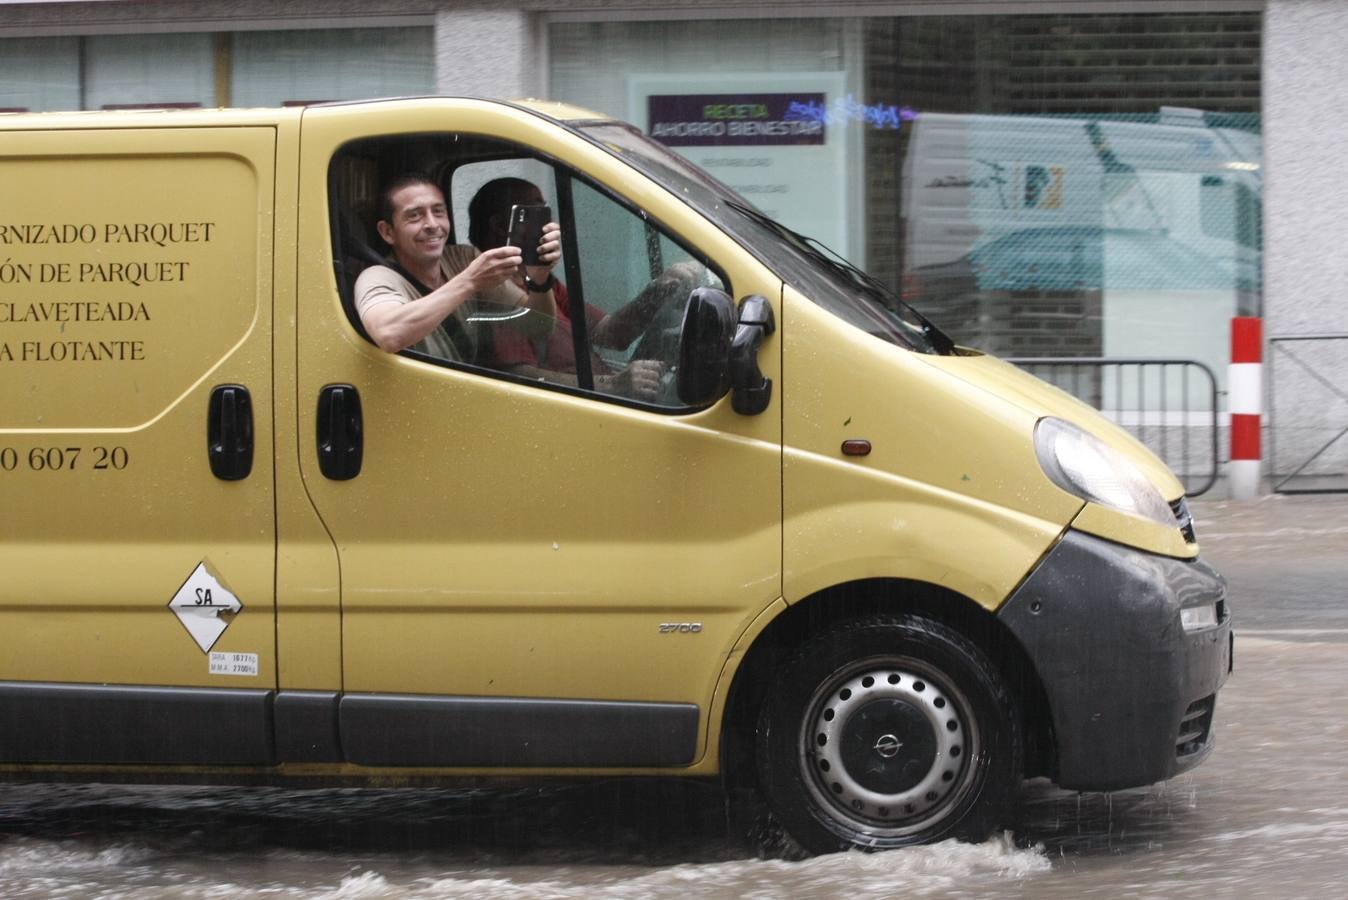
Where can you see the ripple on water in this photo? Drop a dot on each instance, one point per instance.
(65, 870)
(917, 871)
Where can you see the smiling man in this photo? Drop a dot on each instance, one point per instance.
(419, 299)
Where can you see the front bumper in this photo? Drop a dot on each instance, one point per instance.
(1130, 690)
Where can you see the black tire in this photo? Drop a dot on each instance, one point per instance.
(887, 732)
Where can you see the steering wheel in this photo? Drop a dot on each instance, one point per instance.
(660, 338)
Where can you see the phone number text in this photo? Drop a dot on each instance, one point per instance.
(64, 459)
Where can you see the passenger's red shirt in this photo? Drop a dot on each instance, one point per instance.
(556, 352)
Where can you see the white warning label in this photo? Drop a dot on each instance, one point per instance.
(234, 664)
(205, 607)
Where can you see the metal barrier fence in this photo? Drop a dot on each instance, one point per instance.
(1170, 405)
(1305, 425)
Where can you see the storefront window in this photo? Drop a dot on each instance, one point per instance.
(1083, 185)
(275, 68)
(721, 93)
(130, 70)
(38, 74)
(202, 69)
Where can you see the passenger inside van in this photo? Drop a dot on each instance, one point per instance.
(552, 356)
(421, 297)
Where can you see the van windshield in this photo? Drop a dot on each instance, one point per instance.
(800, 261)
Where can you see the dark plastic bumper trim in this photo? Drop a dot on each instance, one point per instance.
(1101, 624)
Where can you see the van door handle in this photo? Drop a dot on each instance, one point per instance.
(341, 440)
(229, 432)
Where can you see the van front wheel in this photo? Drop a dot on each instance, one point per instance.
(887, 732)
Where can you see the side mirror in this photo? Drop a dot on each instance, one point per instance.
(753, 390)
(704, 347)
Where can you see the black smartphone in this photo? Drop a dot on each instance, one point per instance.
(526, 230)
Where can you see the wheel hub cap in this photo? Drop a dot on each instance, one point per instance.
(886, 746)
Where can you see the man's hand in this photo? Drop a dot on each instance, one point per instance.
(549, 251)
(490, 269)
(689, 271)
(640, 380)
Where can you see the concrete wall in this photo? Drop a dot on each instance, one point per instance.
(28, 19)
(1306, 232)
(497, 53)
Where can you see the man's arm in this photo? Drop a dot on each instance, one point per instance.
(623, 326)
(394, 324)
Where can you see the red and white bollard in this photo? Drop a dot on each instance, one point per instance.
(1245, 401)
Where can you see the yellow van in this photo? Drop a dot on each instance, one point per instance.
(827, 552)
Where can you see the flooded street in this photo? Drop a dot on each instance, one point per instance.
(1266, 815)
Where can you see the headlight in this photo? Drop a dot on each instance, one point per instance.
(1087, 467)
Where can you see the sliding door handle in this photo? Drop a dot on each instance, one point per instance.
(229, 432)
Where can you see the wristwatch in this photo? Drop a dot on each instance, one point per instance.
(537, 288)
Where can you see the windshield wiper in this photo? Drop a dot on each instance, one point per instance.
(815, 249)
(867, 282)
(801, 241)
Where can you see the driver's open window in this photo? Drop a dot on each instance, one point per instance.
(630, 277)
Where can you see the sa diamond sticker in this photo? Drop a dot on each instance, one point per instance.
(204, 606)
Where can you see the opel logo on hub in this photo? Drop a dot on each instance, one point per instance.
(888, 746)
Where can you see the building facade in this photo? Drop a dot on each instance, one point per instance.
(1073, 179)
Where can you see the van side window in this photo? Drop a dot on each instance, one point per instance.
(630, 277)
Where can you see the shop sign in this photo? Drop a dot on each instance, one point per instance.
(772, 137)
(734, 120)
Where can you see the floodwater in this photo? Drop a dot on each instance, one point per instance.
(1265, 816)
